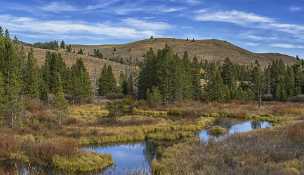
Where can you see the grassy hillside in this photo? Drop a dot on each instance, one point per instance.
(211, 50)
(94, 65)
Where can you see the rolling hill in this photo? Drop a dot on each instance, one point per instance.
(211, 50)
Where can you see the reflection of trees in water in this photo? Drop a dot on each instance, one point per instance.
(256, 125)
(226, 122)
(150, 151)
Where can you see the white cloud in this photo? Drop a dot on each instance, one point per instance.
(250, 20)
(146, 25)
(59, 7)
(234, 16)
(32, 26)
(295, 8)
(287, 46)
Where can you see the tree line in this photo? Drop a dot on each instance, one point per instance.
(166, 78)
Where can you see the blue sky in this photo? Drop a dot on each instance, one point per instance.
(258, 25)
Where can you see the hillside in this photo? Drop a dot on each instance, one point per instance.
(94, 65)
(211, 50)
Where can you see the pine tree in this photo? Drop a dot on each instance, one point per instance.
(6, 34)
(147, 77)
(196, 80)
(1, 32)
(187, 77)
(80, 85)
(2, 99)
(62, 45)
(154, 97)
(106, 83)
(215, 86)
(60, 102)
(10, 67)
(229, 78)
(257, 81)
(30, 77)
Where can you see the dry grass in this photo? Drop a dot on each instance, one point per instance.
(265, 152)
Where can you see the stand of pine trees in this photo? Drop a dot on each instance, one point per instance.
(174, 79)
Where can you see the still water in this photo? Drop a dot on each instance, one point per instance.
(136, 157)
(130, 158)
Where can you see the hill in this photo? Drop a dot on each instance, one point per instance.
(211, 50)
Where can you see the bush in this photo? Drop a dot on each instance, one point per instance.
(121, 107)
(296, 133)
(42, 153)
(154, 97)
(8, 146)
(217, 130)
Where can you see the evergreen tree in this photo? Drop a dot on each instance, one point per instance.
(1, 32)
(154, 97)
(229, 78)
(54, 65)
(147, 76)
(10, 67)
(187, 77)
(80, 85)
(258, 82)
(62, 45)
(196, 79)
(106, 83)
(30, 77)
(215, 86)
(60, 102)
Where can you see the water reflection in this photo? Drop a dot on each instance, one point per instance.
(128, 158)
(242, 127)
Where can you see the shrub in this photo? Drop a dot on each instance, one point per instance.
(217, 130)
(8, 146)
(154, 97)
(296, 133)
(121, 107)
(43, 152)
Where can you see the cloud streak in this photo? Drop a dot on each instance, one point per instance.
(249, 20)
(127, 29)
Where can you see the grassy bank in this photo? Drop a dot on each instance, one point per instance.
(271, 151)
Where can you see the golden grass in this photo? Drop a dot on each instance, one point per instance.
(87, 113)
(82, 163)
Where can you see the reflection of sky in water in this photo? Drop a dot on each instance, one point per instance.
(234, 129)
(126, 157)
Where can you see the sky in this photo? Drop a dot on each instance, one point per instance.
(257, 25)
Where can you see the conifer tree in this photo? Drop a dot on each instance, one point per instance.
(229, 78)
(196, 79)
(62, 45)
(30, 77)
(154, 97)
(60, 102)
(215, 86)
(10, 67)
(106, 82)
(80, 85)
(147, 76)
(1, 32)
(257, 81)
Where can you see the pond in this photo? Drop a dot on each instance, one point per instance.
(130, 158)
(136, 158)
(239, 127)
